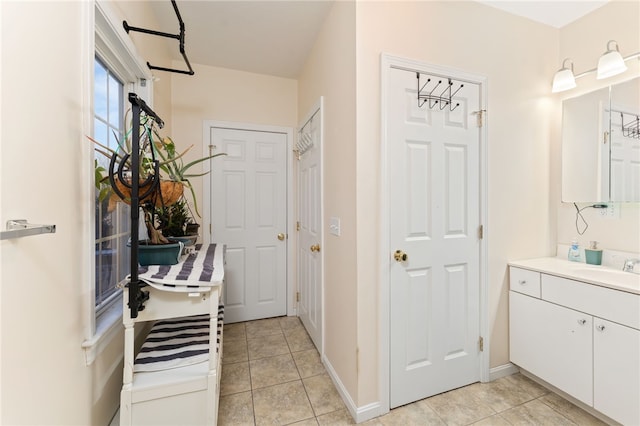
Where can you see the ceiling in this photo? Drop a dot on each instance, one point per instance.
(273, 37)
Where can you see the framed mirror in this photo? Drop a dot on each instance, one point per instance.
(600, 148)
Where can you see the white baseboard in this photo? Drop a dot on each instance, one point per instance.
(502, 371)
(374, 409)
(359, 414)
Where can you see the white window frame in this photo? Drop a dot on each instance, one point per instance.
(107, 39)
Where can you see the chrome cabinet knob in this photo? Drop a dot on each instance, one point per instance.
(600, 327)
(582, 321)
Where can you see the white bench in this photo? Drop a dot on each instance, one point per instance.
(176, 390)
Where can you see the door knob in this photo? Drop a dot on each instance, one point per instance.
(281, 236)
(315, 248)
(400, 256)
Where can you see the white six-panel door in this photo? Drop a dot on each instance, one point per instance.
(434, 215)
(248, 214)
(310, 232)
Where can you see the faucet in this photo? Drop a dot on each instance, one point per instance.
(629, 264)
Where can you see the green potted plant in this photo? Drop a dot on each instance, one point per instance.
(160, 216)
(174, 221)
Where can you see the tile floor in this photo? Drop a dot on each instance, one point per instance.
(272, 375)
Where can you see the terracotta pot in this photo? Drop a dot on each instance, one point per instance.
(168, 193)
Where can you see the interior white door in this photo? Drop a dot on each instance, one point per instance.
(434, 215)
(310, 229)
(248, 214)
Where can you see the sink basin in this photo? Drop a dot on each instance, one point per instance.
(608, 275)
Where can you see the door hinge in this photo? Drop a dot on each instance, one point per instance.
(209, 229)
(481, 343)
(481, 232)
(297, 225)
(479, 117)
(297, 296)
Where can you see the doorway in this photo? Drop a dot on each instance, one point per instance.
(432, 279)
(248, 211)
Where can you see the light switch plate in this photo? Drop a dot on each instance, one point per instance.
(334, 226)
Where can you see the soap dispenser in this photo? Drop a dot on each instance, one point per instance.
(574, 251)
(593, 254)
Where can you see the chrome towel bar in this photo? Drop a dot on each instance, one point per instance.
(18, 228)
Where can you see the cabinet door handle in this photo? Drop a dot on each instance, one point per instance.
(522, 282)
(600, 327)
(582, 321)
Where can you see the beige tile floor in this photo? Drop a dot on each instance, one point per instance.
(272, 375)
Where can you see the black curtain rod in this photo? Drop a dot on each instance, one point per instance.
(179, 37)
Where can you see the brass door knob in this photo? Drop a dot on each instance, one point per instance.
(281, 236)
(400, 256)
(315, 248)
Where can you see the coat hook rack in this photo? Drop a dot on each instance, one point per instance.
(443, 100)
(179, 37)
(632, 128)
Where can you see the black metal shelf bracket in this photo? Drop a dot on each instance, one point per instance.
(139, 109)
(179, 37)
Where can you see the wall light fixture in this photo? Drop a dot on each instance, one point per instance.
(610, 63)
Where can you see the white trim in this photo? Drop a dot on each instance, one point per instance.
(88, 217)
(359, 414)
(115, 44)
(386, 62)
(206, 190)
(502, 371)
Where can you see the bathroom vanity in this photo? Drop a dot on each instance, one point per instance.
(577, 327)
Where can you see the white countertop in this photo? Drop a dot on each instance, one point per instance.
(592, 274)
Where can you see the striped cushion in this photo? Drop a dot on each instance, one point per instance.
(177, 342)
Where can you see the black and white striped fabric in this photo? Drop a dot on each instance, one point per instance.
(178, 342)
(198, 270)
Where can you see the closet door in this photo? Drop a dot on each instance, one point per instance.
(434, 215)
(248, 214)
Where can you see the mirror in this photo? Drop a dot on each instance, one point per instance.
(601, 145)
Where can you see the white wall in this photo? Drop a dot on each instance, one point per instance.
(518, 58)
(584, 41)
(45, 177)
(222, 94)
(330, 72)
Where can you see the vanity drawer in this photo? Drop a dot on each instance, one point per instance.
(614, 305)
(524, 281)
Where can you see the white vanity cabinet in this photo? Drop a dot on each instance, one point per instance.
(582, 338)
(616, 371)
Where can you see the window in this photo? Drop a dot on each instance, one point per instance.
(112, 227)
(113, 68)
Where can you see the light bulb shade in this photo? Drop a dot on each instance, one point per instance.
(610, 64)
(563, 80)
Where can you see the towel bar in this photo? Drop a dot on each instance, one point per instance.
(18, 228)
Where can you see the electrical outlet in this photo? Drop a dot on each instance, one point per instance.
(334, 226)
(611, 212)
